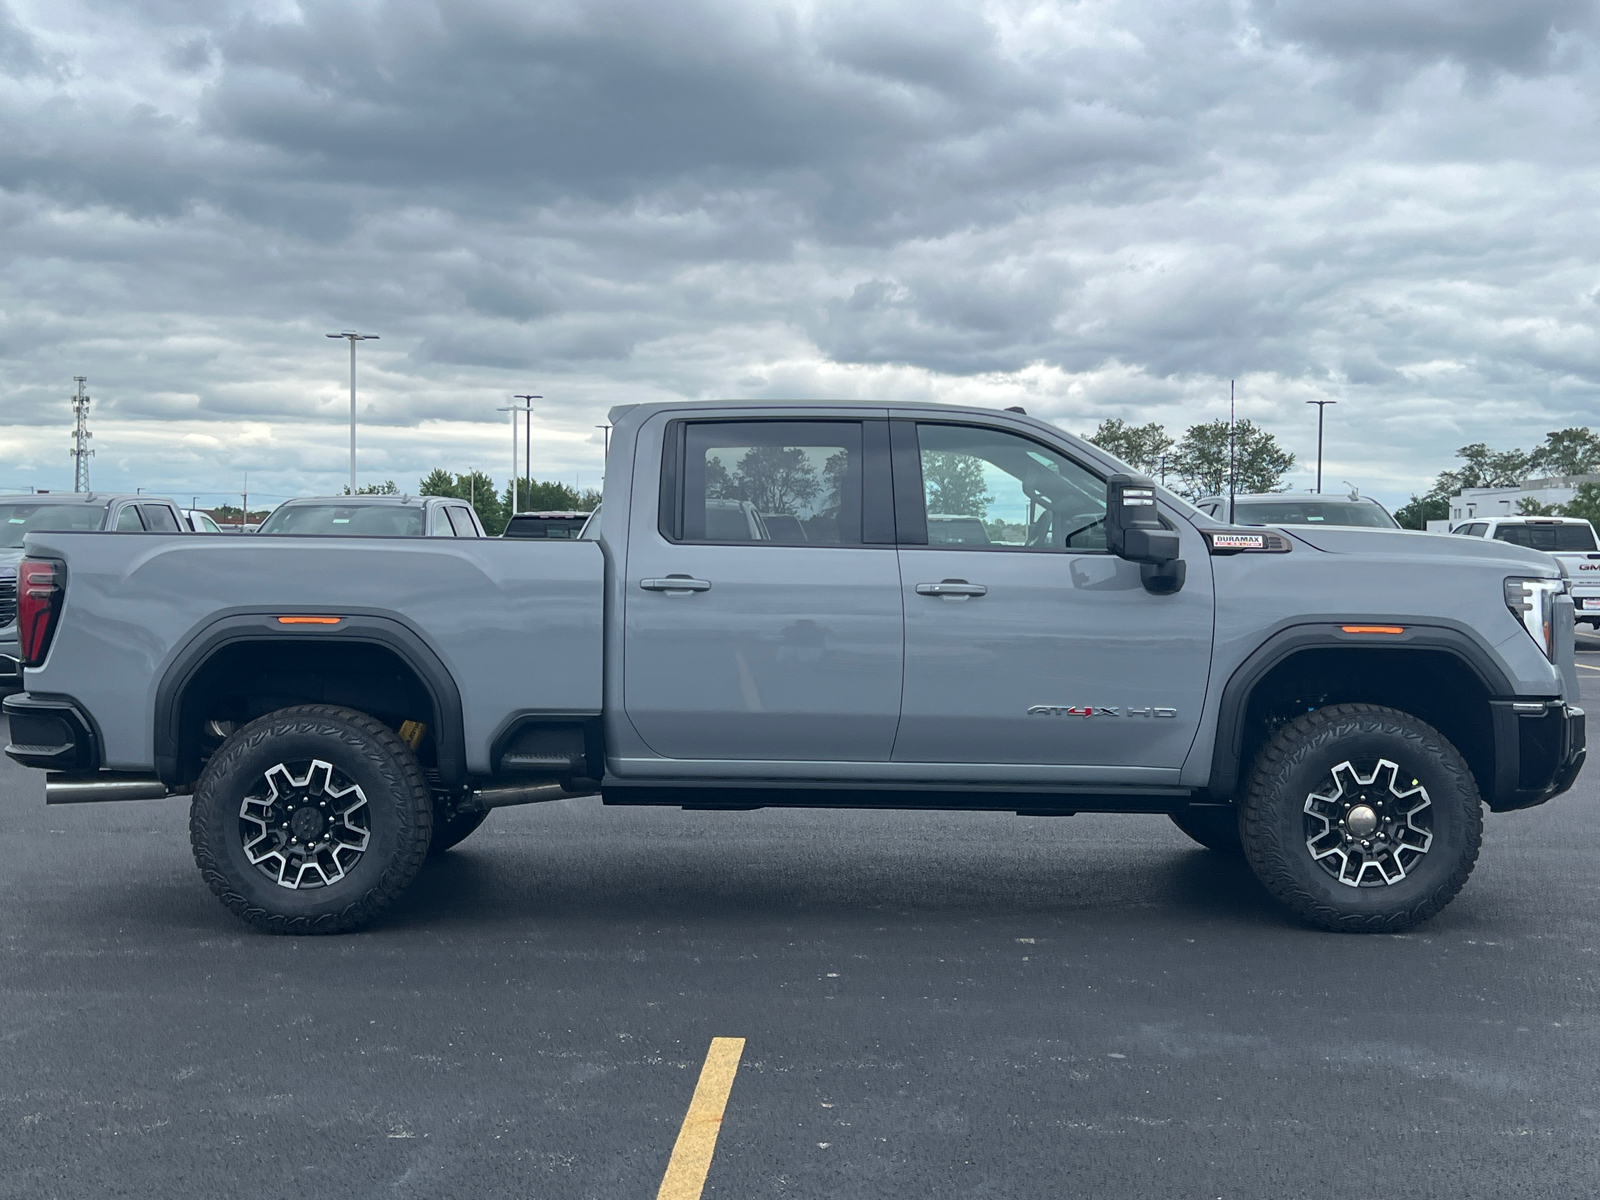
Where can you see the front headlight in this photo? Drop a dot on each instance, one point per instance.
(1533, 602)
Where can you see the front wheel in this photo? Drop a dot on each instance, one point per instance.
(1362, 819)
(311, 819)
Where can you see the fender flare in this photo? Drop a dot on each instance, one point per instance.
(1459, 641)
(449, 734)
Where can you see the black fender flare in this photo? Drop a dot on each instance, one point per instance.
(1460, 641)
(406, 643)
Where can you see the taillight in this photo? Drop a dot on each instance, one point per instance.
(38, 601)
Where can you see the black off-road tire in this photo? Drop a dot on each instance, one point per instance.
(1301, 759)
(1214, 828)
(451, 829)
(365, 752)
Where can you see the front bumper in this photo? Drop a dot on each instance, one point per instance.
(1539, 750)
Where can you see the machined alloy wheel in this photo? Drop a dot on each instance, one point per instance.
(311, 819)
(305, 826)
(1365, 828)
(1362, 818)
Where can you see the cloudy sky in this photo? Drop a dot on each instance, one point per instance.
(1093, 209)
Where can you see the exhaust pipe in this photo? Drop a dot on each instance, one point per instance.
(484, 799)
(63, 788)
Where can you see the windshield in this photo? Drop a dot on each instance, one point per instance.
(18, 519)
(1547, 537)
(350, 520)
(1311, 512)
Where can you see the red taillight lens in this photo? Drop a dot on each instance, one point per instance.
(38, 602)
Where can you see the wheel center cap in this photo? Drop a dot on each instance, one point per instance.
(1361, 821)
(306, 823)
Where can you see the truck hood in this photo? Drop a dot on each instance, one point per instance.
(1414, 544)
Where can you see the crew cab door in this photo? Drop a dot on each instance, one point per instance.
(762, 596)
(1026, 641)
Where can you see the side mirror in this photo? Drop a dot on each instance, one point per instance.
(1133, 526)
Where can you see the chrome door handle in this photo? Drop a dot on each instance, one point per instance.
(952, 587)
(676, 585)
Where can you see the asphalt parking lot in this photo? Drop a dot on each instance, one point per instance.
(932, 1005)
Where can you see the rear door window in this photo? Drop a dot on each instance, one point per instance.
(786, 483)
(461, 521)
(1571, 538)
(128, 520)
(159, 519)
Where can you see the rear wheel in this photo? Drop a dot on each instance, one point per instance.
(1362, 819)
(311, 819)
(1214, 828)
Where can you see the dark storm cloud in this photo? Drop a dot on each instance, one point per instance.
(1103, 208)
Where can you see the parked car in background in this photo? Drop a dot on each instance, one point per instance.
(21, 515)
(200, 521)
(375, 516)
(1570, 539)
(1300, 508)
(564, 525)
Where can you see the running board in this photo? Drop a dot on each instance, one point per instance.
(1024, 803)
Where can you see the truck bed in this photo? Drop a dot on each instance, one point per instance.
(516, 625)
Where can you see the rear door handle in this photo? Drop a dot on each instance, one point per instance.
(676, 585)
(952, 587)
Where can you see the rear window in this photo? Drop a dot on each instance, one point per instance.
(524, 526)
(348, 520)
(1547, 537)
(18, 519)
(1311, 512)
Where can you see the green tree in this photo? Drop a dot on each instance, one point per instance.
(1490, 468)
(476, 488)
(954, 484)
(1419, 510)
(386, 488)
(536, 496)
(1574, 451)
(1146, 447)
(1585, 503)
(1201, 460)
(1529, 507)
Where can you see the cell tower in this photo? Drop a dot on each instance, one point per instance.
(81, 454)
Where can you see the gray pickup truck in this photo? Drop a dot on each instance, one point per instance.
(832, 604)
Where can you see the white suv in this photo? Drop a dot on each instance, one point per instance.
(1570, 539)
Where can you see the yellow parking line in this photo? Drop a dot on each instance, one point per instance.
(1587, 667)
(697, 1140)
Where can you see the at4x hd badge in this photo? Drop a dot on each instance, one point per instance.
(1098, 710)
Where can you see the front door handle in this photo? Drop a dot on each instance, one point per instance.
(952, 587)
(676, 585)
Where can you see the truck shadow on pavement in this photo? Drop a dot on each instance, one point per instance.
(696, 886)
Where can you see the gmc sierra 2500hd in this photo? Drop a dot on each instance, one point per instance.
(830, 604)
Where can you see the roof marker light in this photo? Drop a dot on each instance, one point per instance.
(1373, 628)
(309, 620)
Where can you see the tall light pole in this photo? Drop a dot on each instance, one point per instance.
(514, 409)
(527, 434)
(353, 338)
(1321, 404)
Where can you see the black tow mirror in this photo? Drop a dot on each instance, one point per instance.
(1134, 531)
(1133, 525)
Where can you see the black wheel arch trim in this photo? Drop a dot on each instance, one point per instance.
(412, 649)
(1453, 638)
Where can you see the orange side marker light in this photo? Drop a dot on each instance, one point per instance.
(1358, 628)
(309, 620)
